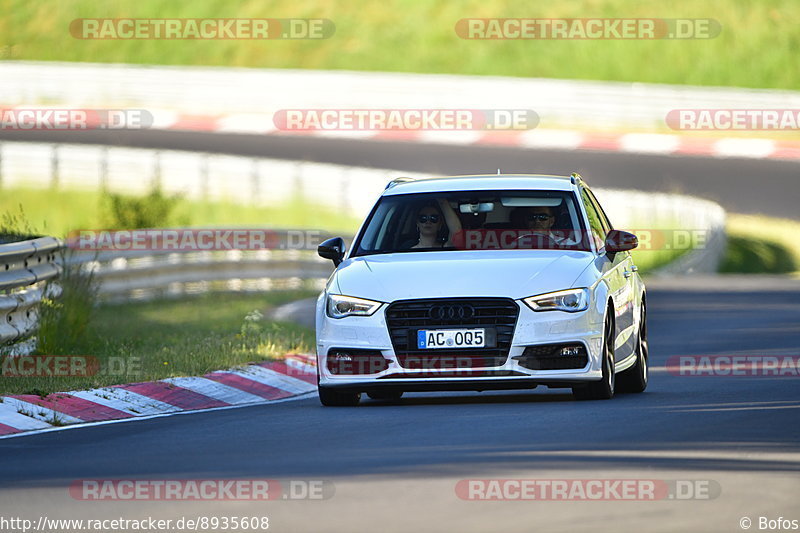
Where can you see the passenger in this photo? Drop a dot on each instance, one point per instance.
(429, 220)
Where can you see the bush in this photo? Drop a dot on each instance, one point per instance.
(153, 210)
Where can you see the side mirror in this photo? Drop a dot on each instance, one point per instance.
(332, 249)
(620, 241)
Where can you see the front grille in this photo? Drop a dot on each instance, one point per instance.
(406, 317)
(548, 357)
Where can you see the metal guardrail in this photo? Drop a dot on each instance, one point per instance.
(141, 275)
(26, 267)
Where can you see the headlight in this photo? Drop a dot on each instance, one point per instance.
(571, 301)
(341, 306)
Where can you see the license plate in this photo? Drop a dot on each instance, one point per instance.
(428, 339)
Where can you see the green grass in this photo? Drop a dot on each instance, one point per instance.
(15, 227)
(147, 341)
(762, 245)
(649, 260)
(57, 212)
(663, 242)
(757, 47)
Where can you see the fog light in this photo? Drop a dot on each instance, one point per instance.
(353, 361)
(554, 357)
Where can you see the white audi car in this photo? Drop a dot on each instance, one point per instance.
(482, 283)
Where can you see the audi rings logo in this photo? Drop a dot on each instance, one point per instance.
(451, 312)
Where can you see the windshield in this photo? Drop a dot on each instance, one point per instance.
(473, 220)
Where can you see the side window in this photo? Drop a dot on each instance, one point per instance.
(603, 218)
(595, 222)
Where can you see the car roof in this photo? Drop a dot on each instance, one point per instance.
(480, 182)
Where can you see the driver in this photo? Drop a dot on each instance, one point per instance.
(540, 221)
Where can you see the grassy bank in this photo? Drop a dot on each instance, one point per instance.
(649, 260)
(147, 341)
(762, 245)
(756, 48)
(56, 212)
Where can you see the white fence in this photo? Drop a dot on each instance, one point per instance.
(243, 180)
(672, 215)
(257, 93)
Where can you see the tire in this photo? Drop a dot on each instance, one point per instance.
(332, 398)
(388, 396)
(636, 377)
(604, 388)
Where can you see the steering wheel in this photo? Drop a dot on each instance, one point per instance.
(544, 241)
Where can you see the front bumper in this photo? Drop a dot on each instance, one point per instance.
(532, 329)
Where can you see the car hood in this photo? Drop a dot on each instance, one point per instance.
(508, 273)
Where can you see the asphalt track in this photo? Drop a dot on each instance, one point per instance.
(741, 185)
(395, 467)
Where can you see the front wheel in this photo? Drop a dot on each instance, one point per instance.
(603, 389)
(333, 398)
(635, 378)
